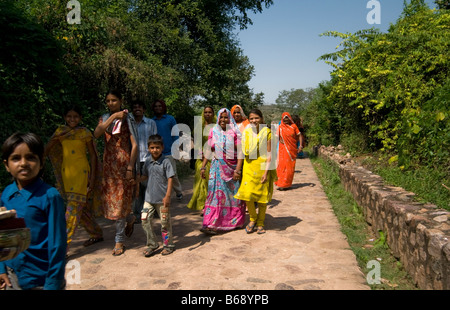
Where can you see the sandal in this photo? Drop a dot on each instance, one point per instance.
(167, 251)
(118, 251)
(92, 241)
(250, 227)
(261, 230)
(209, 231)
(150, 252)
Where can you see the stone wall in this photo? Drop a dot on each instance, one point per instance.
(418, 234)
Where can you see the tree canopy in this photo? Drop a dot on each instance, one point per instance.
(182, 51)
(392, 88)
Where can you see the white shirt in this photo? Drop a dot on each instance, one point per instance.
(145, 128)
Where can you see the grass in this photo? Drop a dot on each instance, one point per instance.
(429, 185)
(362, 240)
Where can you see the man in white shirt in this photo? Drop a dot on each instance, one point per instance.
(145, 127)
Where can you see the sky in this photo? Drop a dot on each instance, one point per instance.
(284, 42)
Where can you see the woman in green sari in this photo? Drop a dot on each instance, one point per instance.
(200, 191)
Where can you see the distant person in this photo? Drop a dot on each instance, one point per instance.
(146, 127)
(257, 174)
(78, 178)
(119, 167)
(288, 149)
(223, 212)
(165, 123)
(42, 265)
(159, 173)
(200, 190)
(302, 139)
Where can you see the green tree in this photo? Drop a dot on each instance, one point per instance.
(33, 80)
(34, 83)
(178, 50)
(295, 101)
(383, 81)
(443, 4)
(321, 119)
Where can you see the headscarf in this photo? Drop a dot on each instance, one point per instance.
(289, 134)
(245, 122)
(244, 117)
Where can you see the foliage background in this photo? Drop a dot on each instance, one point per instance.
(388, 98)
(388, 94)
(182, 51)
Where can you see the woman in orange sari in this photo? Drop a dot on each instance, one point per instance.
(288, 134)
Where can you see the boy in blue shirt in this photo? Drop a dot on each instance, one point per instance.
(42, 265)
(165, 124)
(159, 171)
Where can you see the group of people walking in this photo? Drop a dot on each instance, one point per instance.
(135, 180)
(239, 173)
(113, 189)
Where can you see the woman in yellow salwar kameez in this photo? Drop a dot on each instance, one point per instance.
(78, 181)
(258, 172)
(200, 190)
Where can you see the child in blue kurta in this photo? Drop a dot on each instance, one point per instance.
(42, 265)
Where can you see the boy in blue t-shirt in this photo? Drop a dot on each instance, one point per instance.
(160, 173)
(42, 265)
(166, 124)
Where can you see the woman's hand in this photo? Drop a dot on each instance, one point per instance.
(264, 178)
(91, 185)
(236, 175)
(120, 114)
(203, 173)
(129, 176)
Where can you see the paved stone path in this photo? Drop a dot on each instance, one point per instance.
(303, 249)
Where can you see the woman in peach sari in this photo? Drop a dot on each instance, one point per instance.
(288, 134)
(119, 167)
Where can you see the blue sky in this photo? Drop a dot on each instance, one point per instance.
(283, 44)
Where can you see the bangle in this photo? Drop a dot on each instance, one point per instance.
(202, 168)
(238, 172)
(130, 170)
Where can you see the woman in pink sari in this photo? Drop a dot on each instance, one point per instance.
(222, 211)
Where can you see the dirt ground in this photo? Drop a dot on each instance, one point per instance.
(303, 249)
